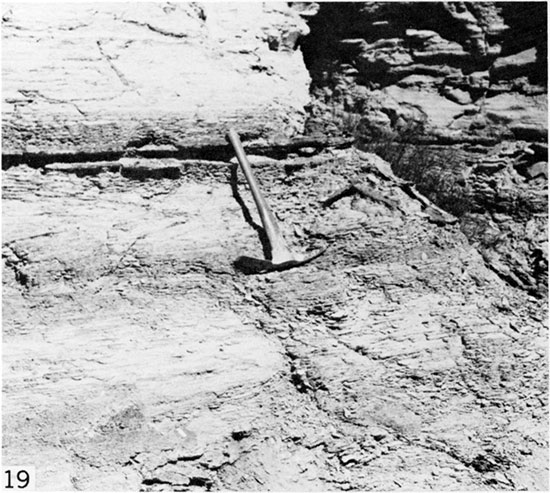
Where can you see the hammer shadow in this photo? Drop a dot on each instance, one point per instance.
(266, 247)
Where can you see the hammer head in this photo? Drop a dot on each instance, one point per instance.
(250, 265)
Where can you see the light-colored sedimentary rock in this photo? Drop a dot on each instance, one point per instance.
(137, 357)
(101, 78)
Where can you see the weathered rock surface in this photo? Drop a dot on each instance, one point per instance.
(499, 193)
(467, 78)
(137, 357)
(467, 71)
(411, 355)
(84, 78)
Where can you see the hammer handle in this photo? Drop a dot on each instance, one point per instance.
(276, 240)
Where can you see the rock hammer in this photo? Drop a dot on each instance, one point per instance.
(281, 256)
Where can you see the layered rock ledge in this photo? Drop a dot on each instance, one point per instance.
(86, 79)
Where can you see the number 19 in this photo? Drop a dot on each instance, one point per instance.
(22, 479)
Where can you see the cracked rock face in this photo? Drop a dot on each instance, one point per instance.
(458, 87)
(468, 71)
(137, 357)
(114, 76)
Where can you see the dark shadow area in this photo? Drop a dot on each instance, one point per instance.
(233, 181)
(41, 159)
(528, 29)
(250, 265)
(340, 33)
(142, 173)
(213, 152)
(324, 52)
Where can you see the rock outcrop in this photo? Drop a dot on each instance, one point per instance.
(102, 80)
(412, 355)
(136, 357)
(467, 71)
(457, 86)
